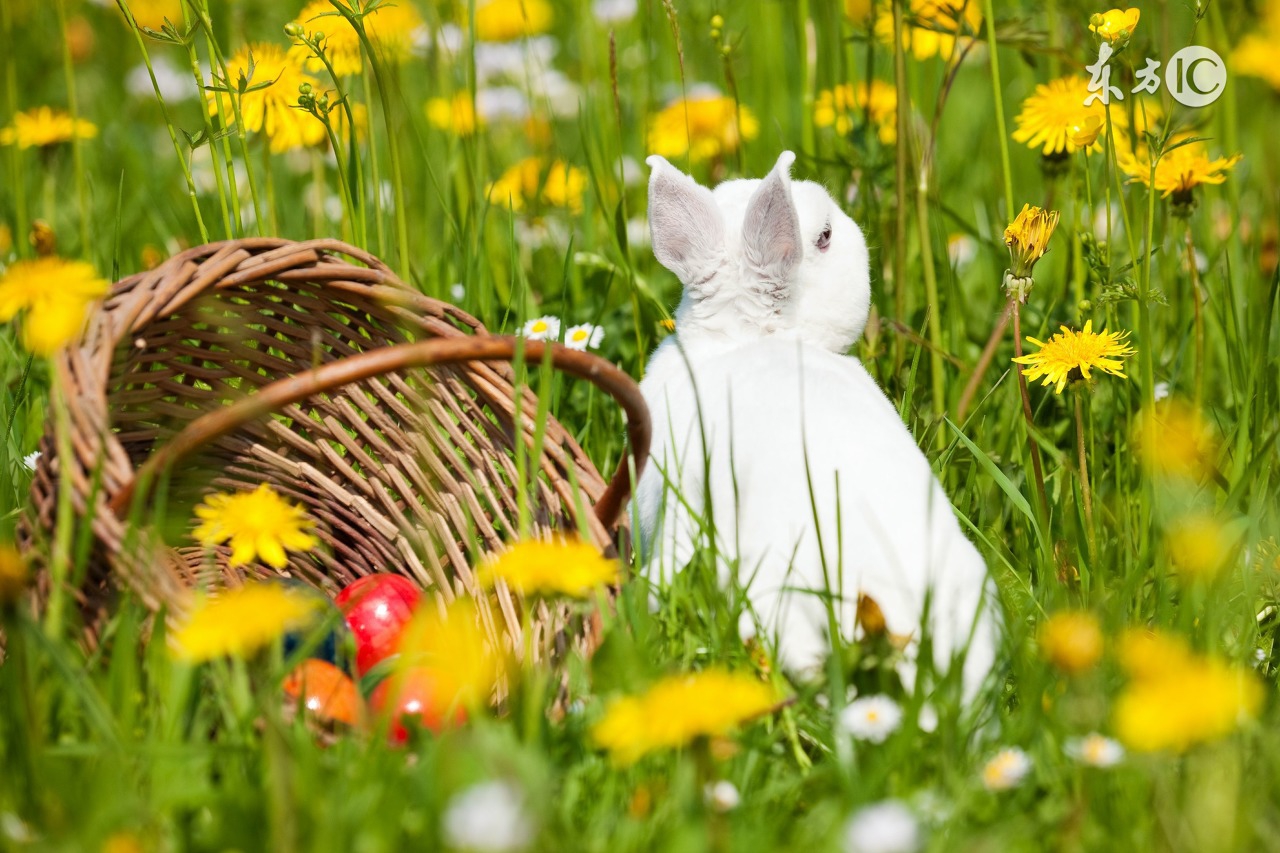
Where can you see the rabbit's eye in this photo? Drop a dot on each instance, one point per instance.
(824, 239)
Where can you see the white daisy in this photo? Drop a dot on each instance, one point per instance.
(584, 336)
(1006, 770)
(542, 329)
(30, 460)
(884, 827)
(1095, 750)
(871, 718)
(488, 817)
(613, 11)
(457, 292)
(722, 796)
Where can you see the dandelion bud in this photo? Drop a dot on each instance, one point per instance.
(317, 37)
(717, 22)
(43, 240)
(1028, 239)
(304, 89)
(293, 30)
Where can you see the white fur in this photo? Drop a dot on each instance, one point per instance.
(760, 334)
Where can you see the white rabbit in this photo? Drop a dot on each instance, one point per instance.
(814, 481)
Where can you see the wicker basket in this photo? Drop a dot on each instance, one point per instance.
(300, 365)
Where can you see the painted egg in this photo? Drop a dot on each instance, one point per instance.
(377, 608)
(413, 695)
(324, 690)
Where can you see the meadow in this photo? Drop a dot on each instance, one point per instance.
(1128, 512)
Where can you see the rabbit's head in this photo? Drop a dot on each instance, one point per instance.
(760, 258)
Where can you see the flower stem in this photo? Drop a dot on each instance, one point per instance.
(900, 182)
(984, 363)
(1085, 489)
(16, 182)
(1036, 465)
(77, 149)
(936, 369)
(1002, 134)
(1196, 300)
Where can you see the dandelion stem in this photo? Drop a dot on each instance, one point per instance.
(984, 363)
(1036, 465)
(1196, 303)
(997, 94)
(900, 182)
(1085, 490)
(936, 369)
(16, 182)
(77, 149)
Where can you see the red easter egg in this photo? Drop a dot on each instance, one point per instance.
(324, 690)
(412, 693)
(377, 608)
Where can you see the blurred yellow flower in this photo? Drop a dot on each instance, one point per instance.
(1176, 698)
(453, 646)
(1071, 640)
(1054, 113)
(1086, 132)
(1028, 238)
(390, 28)
(1199, 546)
(14, 574)
(679, 709)
(507, 20)
(456, 115)
(930, 27)
(1174, 439)
(1178, 171)
(844, 105)
(1069, 356)
(239, 622)
(704, 127)
(555, 184)
(54, 296)
(269, 104)
(260, 524)
(45, 126)
(858, 11)
(151, 14)
(1255, 55)
(1115, 26)
(558, 567)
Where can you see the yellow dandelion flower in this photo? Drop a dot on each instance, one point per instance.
(679, 709)
(1028, 238)
(1255, 55)
(1176, 698)
(557, 567)
(1115, 26)
(241, 621)
(930, 27)
(843, 106)
(1070, 356)
(45, 126)
(151, 14)
(508, 20)
(1199, 546)
(457, 115)
(453, 646)
(270, 103)
(54, 297)
(1179, 171)
(1054, 113)
(390, 28)
(14, 575)
(706, 128)
(554, 184)
(1174, 439)
(1071, 640)
(260, 524)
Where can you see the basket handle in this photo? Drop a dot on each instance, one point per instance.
(435, 351)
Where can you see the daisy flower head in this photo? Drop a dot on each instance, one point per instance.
(551, 567)
(1006, 769)
(722, 796)
(265, 81)
(542, 328)
(1115, 26)
(239, 622)
(1095, 750)
(1054, 113)
(54, 296)
(260, 524)
(584, 336)
(1070, 356)
(704, 126)
(889, 826)
(679, 709)
(45, 126)
(490, 817)
(872, 718)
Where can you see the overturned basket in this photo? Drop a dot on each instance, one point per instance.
(391, 417)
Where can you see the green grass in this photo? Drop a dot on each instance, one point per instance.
(125, 740)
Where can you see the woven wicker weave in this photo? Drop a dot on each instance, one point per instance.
(301, 365)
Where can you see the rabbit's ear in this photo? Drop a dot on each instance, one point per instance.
(771, 238)
(687, 228)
